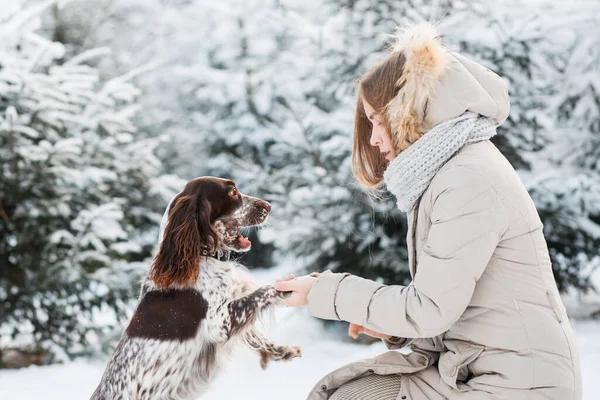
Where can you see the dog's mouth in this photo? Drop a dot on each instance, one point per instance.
(243, 242)
(231, 228)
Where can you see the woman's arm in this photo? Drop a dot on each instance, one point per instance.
(468, 222)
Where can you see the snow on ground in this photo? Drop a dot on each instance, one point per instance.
(324, 351)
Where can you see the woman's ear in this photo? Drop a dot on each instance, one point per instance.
(187, 234)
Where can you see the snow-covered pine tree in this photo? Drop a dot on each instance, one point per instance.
(550, 58)
(570, 191)
(81, 196)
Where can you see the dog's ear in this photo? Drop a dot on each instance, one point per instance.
(209, 239)
(187, 234)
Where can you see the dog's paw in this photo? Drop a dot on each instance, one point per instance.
(279, 353)
(274, 296)
(291, 352)
(282, 296)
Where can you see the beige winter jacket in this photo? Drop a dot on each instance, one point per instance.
(483, 314)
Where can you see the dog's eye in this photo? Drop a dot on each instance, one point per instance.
(233, 192)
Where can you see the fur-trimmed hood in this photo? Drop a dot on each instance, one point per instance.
(438, 85)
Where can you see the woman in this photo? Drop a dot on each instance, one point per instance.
(482, 315)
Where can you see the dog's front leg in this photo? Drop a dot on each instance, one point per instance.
(231, 317)
(243, 312)
(268, 350)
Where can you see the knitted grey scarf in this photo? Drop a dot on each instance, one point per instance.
(410, 172)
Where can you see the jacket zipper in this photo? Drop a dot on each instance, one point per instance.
(414, 239)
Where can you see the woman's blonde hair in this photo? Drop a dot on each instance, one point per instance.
(377, 87)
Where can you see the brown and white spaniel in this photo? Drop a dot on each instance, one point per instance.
(195, 304)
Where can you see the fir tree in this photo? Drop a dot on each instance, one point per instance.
(81, 196)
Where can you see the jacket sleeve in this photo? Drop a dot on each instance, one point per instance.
(467, 222)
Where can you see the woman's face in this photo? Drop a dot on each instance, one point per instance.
(379, 137)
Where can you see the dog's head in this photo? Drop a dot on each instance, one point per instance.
(204, 218)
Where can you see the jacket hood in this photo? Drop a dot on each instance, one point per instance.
(437, 85)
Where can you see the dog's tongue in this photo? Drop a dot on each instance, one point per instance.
(244, 242)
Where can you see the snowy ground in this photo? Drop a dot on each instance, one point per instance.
(243, 379)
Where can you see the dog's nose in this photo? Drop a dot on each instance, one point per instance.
(267, 206)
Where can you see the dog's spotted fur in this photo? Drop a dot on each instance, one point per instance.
(182, 332)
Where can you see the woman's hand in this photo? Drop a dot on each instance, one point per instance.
(299, 288)
(354, 330)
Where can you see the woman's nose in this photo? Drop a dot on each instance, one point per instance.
(374, 140)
